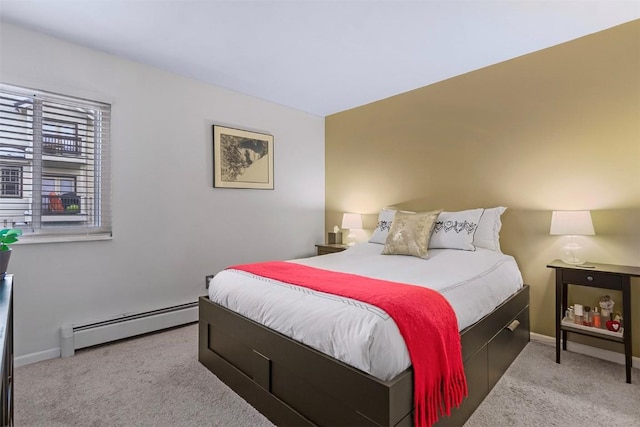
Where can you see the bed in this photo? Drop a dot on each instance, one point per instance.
(305, 357)
(293, 383)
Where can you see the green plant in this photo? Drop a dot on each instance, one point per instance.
(8, 236)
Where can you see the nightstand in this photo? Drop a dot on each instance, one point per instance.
(606, 276)
(329, 248)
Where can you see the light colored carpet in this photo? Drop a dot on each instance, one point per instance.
(581, 391)
(156, 380)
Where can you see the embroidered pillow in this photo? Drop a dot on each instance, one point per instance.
(488, 233)
(385, 218)
(409, 234)
(455, 230)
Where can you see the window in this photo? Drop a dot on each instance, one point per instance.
(59, 136)
(10, 181)
(58, 184)
(59, 195)
(54, 163)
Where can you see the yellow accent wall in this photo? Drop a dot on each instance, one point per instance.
(557, 129)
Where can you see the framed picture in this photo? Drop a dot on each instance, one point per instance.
(242, 159)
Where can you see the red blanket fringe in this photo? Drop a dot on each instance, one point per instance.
(424, 317)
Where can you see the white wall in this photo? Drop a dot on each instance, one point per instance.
(170, 226)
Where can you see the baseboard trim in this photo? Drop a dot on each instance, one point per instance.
(587, 350)
(39, 356)
(106, 334)
(73, 338)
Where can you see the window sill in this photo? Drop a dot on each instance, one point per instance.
(63, 238)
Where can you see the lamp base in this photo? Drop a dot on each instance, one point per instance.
(351, 238)
(573, 253)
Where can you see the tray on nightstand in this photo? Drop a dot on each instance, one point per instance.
(569, 326)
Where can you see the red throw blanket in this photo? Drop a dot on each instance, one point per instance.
(424, 317)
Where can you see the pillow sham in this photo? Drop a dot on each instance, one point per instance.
(488, 233)
(409, 234)
(456, 230)
(385, 219)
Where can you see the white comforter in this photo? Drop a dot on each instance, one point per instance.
(357, 333)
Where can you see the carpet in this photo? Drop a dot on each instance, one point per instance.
(580, 391)
(156, 380)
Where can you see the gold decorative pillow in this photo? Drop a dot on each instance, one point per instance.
(410, 234)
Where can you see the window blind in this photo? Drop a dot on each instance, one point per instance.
(54, 163)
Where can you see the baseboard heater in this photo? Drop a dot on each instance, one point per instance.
(75, 337)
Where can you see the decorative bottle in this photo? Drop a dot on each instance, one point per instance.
(606, 306)
(586, 321)
(595, 318)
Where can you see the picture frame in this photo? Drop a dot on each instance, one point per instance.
(242, 159)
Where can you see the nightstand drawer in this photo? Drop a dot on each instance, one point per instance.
(592, 278)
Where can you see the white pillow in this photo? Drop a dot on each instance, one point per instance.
(455, 230)
(488, 233)
(385, 219)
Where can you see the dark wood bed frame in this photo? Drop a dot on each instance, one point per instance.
(295, 385)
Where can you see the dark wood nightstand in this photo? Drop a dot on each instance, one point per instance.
(606, 276)
(329, 248)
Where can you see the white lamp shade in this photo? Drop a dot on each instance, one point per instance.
(571, 223)
(351, 221)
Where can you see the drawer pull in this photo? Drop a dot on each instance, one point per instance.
(590, 278)
(513, 325)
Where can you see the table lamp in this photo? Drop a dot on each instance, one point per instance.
(351, 221)
(572, 223)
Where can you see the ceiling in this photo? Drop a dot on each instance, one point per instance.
(320, 57)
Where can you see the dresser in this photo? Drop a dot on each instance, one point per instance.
(6, 338)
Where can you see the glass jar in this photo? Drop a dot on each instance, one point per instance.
(586, 321)
(569, 314)
(577, 314)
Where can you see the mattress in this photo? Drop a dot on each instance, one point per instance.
(359, 334)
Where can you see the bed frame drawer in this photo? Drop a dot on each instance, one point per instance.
(506, 345)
